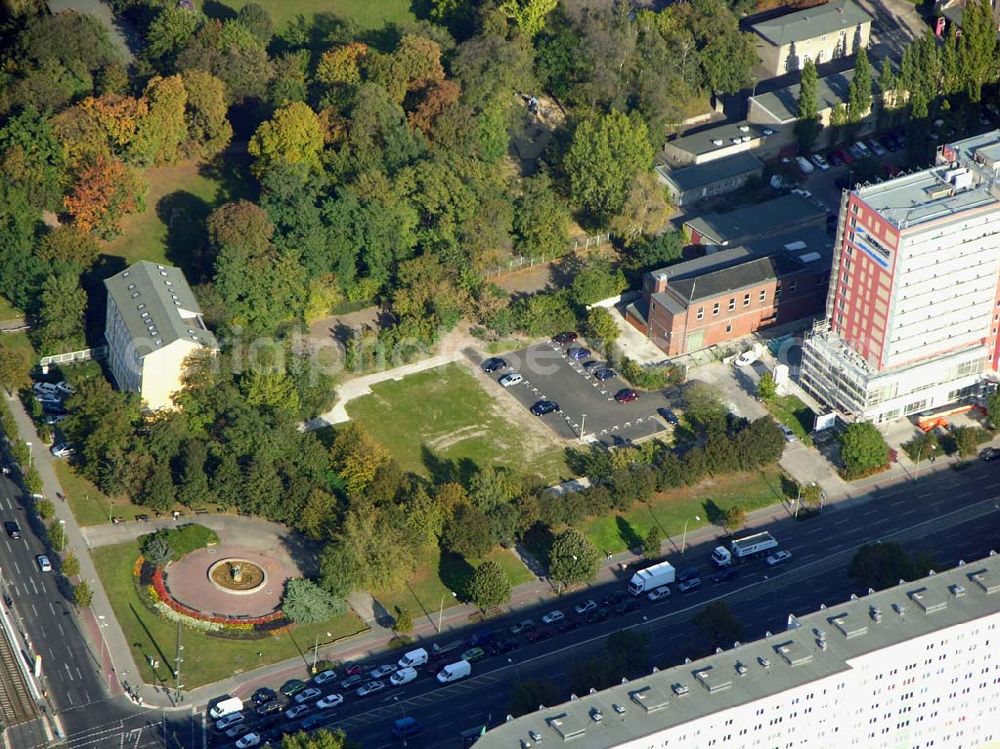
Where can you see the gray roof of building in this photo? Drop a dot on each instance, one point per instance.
(752, 221)
(810, 238)
(703, 264)
(158, 305)
(698, 175)
(830, 18)
(702, 142)
(831, 90)
(815, 646)
(734, 277)
(913, 199)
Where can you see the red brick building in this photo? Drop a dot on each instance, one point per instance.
(728, 295)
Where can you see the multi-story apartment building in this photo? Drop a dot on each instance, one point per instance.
(153, 324)
(913, 305)
(914, 666)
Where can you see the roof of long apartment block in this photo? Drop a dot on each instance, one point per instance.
(810, 23)
(759, 219)
(815, 646)
(158, 306)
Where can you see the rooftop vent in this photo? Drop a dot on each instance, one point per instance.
(649, 699)
(160, 267)
(131, 286)
(900, 610)
(141, 305)
(713, 681)
(848, 627)
(765, 663)
(957, 590)
(793, 653)
(875, 614)
(745, 139)
(163, 273)
(135, 294)
(986, 580)
(734, 140)
(744, 128)
(168, 283)
(125, 274)
(567, 726)
(596, 715)
(717, 141)
(741, 669)
(534, 736)
(679, 689)
(928, 601)
(620, 709)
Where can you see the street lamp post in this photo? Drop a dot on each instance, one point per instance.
(31, 457)
(932, 447)
(441, 609)
(62, 535)
(517, 668)
(684, 536)
(583, 426)
(316, 650)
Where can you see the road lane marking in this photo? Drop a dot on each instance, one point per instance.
(68, 672)
(35, 586)
(17, 567)
(35, 610)
(52, 608)
(61, 630)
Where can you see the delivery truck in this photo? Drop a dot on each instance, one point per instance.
(741, 549)
(454, 672)
(650, 578)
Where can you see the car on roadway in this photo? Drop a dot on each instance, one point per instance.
(262, 696)
(62, 450)
(692, 583)
(568, 626)
(331, 700)
(987, 454)
(494, 363)
(659, 594)
(563, 338)
(250, 739)
(578, 353)
(604, 374)
(352, 681)
(292, 687)
(779, 557)
(512, 379)
(597, 615)
(553, 617)
(725, 575)
(745, 359)
(626, 607)
(382, 671)
(544, 407)
(538, 635)
(308, 695)
(502, 645)
(43, 563)
(14, 530)
(819, 161)
(314, 721)
(473, 654)
(269, 708)
(522, 626)
(668, 416)
(229, 720)
(585, 607)
(626, 395)
(403, 676)
(805, 166)
(370, 688)
(789, 434)
(324, 676)
(295, 711)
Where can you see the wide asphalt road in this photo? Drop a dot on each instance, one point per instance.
(951, 515)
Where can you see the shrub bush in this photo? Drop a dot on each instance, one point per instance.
(181, 540)
(921, 447)
(651, 378)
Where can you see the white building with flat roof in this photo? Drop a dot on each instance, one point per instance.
(915, 666)
(153, 324)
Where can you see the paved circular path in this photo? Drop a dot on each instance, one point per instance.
(187, 581)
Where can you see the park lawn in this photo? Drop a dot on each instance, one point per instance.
(172, 227)
(441, 423)
(710, 498)
(794, 414)
(7, 310)
(206, 659)
(367, 14)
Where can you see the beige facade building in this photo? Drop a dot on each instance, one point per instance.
(153, 324)
(821, 33)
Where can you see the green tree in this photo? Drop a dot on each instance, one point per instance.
(305, 602)
(489, 586)
(193, 489)
(734, 518)
(655, 252)
(703, 406)
(888, 85)
(208, 128)
(57, 536)
(61, 313)
(967, 439)
(596, 281)
(526, 695)
(403, 621)
(541, 219)
(645, 211)
(573, 558)
(83, 596)
(977, 47)
(529, 15)
(293, 135)
(156, 548)
(258, 20)
(859, 96)
(605, 155)
(33, 481)
(162, 130)
(69, 246)
(70, 565)
(719, 625)
(158, 489)
(601, 325)
(767, 388)
(863, 449)
(992, 407)
(651, 542)
(14, 365)
(169, 32)
(883, 565)
(45, 509)
(808, 126)
(321, 739)
(468, 532)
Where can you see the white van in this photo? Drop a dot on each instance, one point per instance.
(454, 672)
(413, 659)
(225, 707)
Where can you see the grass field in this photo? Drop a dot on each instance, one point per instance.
(433, 584)
(7, 310)
(794, 414)
(207, 659)
(708, 500)
(367, 14)
(443, 424)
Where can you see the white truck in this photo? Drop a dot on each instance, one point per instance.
(454, 672)
(413, 659)
(646, 580)
(741, 549)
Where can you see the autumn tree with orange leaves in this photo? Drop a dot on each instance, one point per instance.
(106, 191)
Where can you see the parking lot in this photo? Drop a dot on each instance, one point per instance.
(586, 404)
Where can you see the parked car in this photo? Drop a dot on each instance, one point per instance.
(314, 721)
(262, 696)
(403, 676)
(819, 161)
(578, 353)
(627, 606)
(229, 720)
(292, 687)
(568, 626)
(331, 700)
(62, 450)
(380, 672)
(745, 359)
(846, 156)
(522, 626)
(294, 712)
(43, 563)
(370, 688)
(802, 193)
(352, 681)
(473, 654)
(626, 395)
(502, 645)
(725, 575)
(594, 364)
(668, 416)
(494, 363)
(550, 618)
(604, 374)
(250, 739)
(858, 150)
(692, 583)
(53, 419)
(308, 695)
(353, 668)
(789, 434)
(537, 635)
(659, 594)
(597, 615)
(509, 380)
(877, 147)
(778, 557)
(14, 530)
(585, 607)
(324, 676)
(563, 338)
(613, 599)
(987, 454)
(833, 157)
(269, 708)
(544, 407)
(805, 166)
